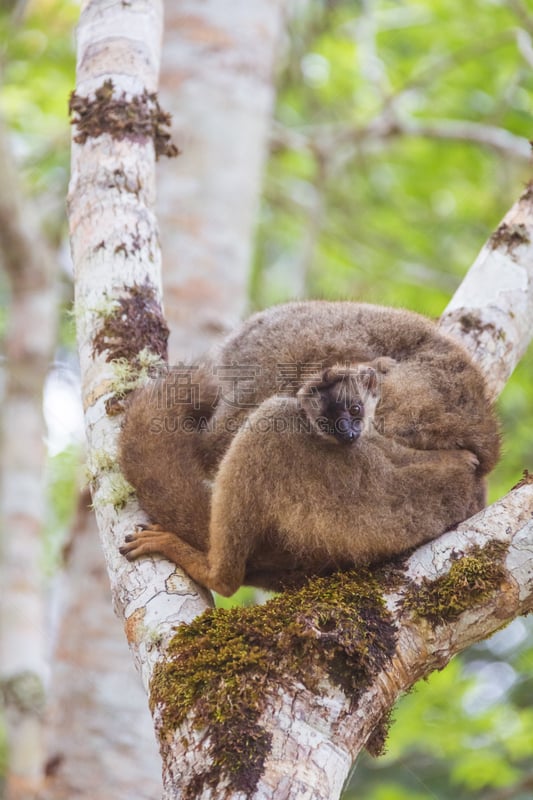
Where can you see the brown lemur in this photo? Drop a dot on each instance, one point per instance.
(309, 485)
(433, 399)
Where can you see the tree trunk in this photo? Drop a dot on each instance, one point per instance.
(30, 341)
(218, 82)
(491, 311)
(116, 256)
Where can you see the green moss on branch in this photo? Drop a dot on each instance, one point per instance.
(224, 667)
(471, 580)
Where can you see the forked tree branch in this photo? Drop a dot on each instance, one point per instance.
(304, 739)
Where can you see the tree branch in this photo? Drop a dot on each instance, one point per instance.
(449, 594)
(492, 309)
(304, 736)
(329, 140)
(503, 141)
(421, 647)
(525, 46)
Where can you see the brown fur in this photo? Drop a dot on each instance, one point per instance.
(408, 475)
(159, 453)
(356, 503)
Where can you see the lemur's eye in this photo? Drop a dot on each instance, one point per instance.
(356, 409)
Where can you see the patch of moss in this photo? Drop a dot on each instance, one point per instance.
(375, 744)
(25, 692)
(223, 667)
(117, 490)
(471, 580)
(137, 118)
(510, 235)
(128, 376)
(472, 323)
(99, 461)
(104, 308)
(134, 324)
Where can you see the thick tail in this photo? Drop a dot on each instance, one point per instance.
(159, 450)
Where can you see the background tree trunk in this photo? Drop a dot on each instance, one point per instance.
(217, 80)
(101, 741)
(29, 344)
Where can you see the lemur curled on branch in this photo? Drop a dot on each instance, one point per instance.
(285, 501)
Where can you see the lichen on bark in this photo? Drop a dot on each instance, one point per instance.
(137, 118)
(133, 323)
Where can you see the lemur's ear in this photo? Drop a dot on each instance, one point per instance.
(367, 377)
(330, 376)
(384, 364)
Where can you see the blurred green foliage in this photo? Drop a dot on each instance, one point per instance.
(37, 69)
(356, 207)
(464, 732)
(386, 217)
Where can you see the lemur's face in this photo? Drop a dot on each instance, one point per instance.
(342, 417)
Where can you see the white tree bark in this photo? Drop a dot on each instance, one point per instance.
(315, 738)
(492, 310)
(317, 735)
(114, 246)
(217, 81)
(30, 341)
